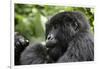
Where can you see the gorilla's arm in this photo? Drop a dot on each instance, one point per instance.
(80, 49)
(20, 44)
(34, 54)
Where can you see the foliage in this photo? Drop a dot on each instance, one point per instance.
(30, 19)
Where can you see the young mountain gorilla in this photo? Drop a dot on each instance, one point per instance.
(68, 39)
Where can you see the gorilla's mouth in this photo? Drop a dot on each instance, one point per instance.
(51, 43)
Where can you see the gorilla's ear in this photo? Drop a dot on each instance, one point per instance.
(82, 21)
(75, 25)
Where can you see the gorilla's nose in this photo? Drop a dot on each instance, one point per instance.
(51, 41)
(50, 37)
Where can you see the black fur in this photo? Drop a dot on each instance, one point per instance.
(68, 39)
(20, 44)
(75, 42)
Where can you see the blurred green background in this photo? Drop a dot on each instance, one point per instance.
(30, 19)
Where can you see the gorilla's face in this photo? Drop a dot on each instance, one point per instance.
(59, 29)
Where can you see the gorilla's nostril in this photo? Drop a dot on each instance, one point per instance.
(49, 37)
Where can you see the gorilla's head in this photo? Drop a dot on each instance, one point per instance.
(63, 27)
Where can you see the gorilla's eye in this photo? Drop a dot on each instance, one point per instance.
(75, 25)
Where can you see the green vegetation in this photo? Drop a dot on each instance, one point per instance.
(30, 19)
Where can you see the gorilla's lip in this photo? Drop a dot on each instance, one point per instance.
(51, 44)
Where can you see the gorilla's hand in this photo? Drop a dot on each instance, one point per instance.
(20, 42)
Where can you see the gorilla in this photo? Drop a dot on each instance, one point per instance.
(20, 44)
(68, 39)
